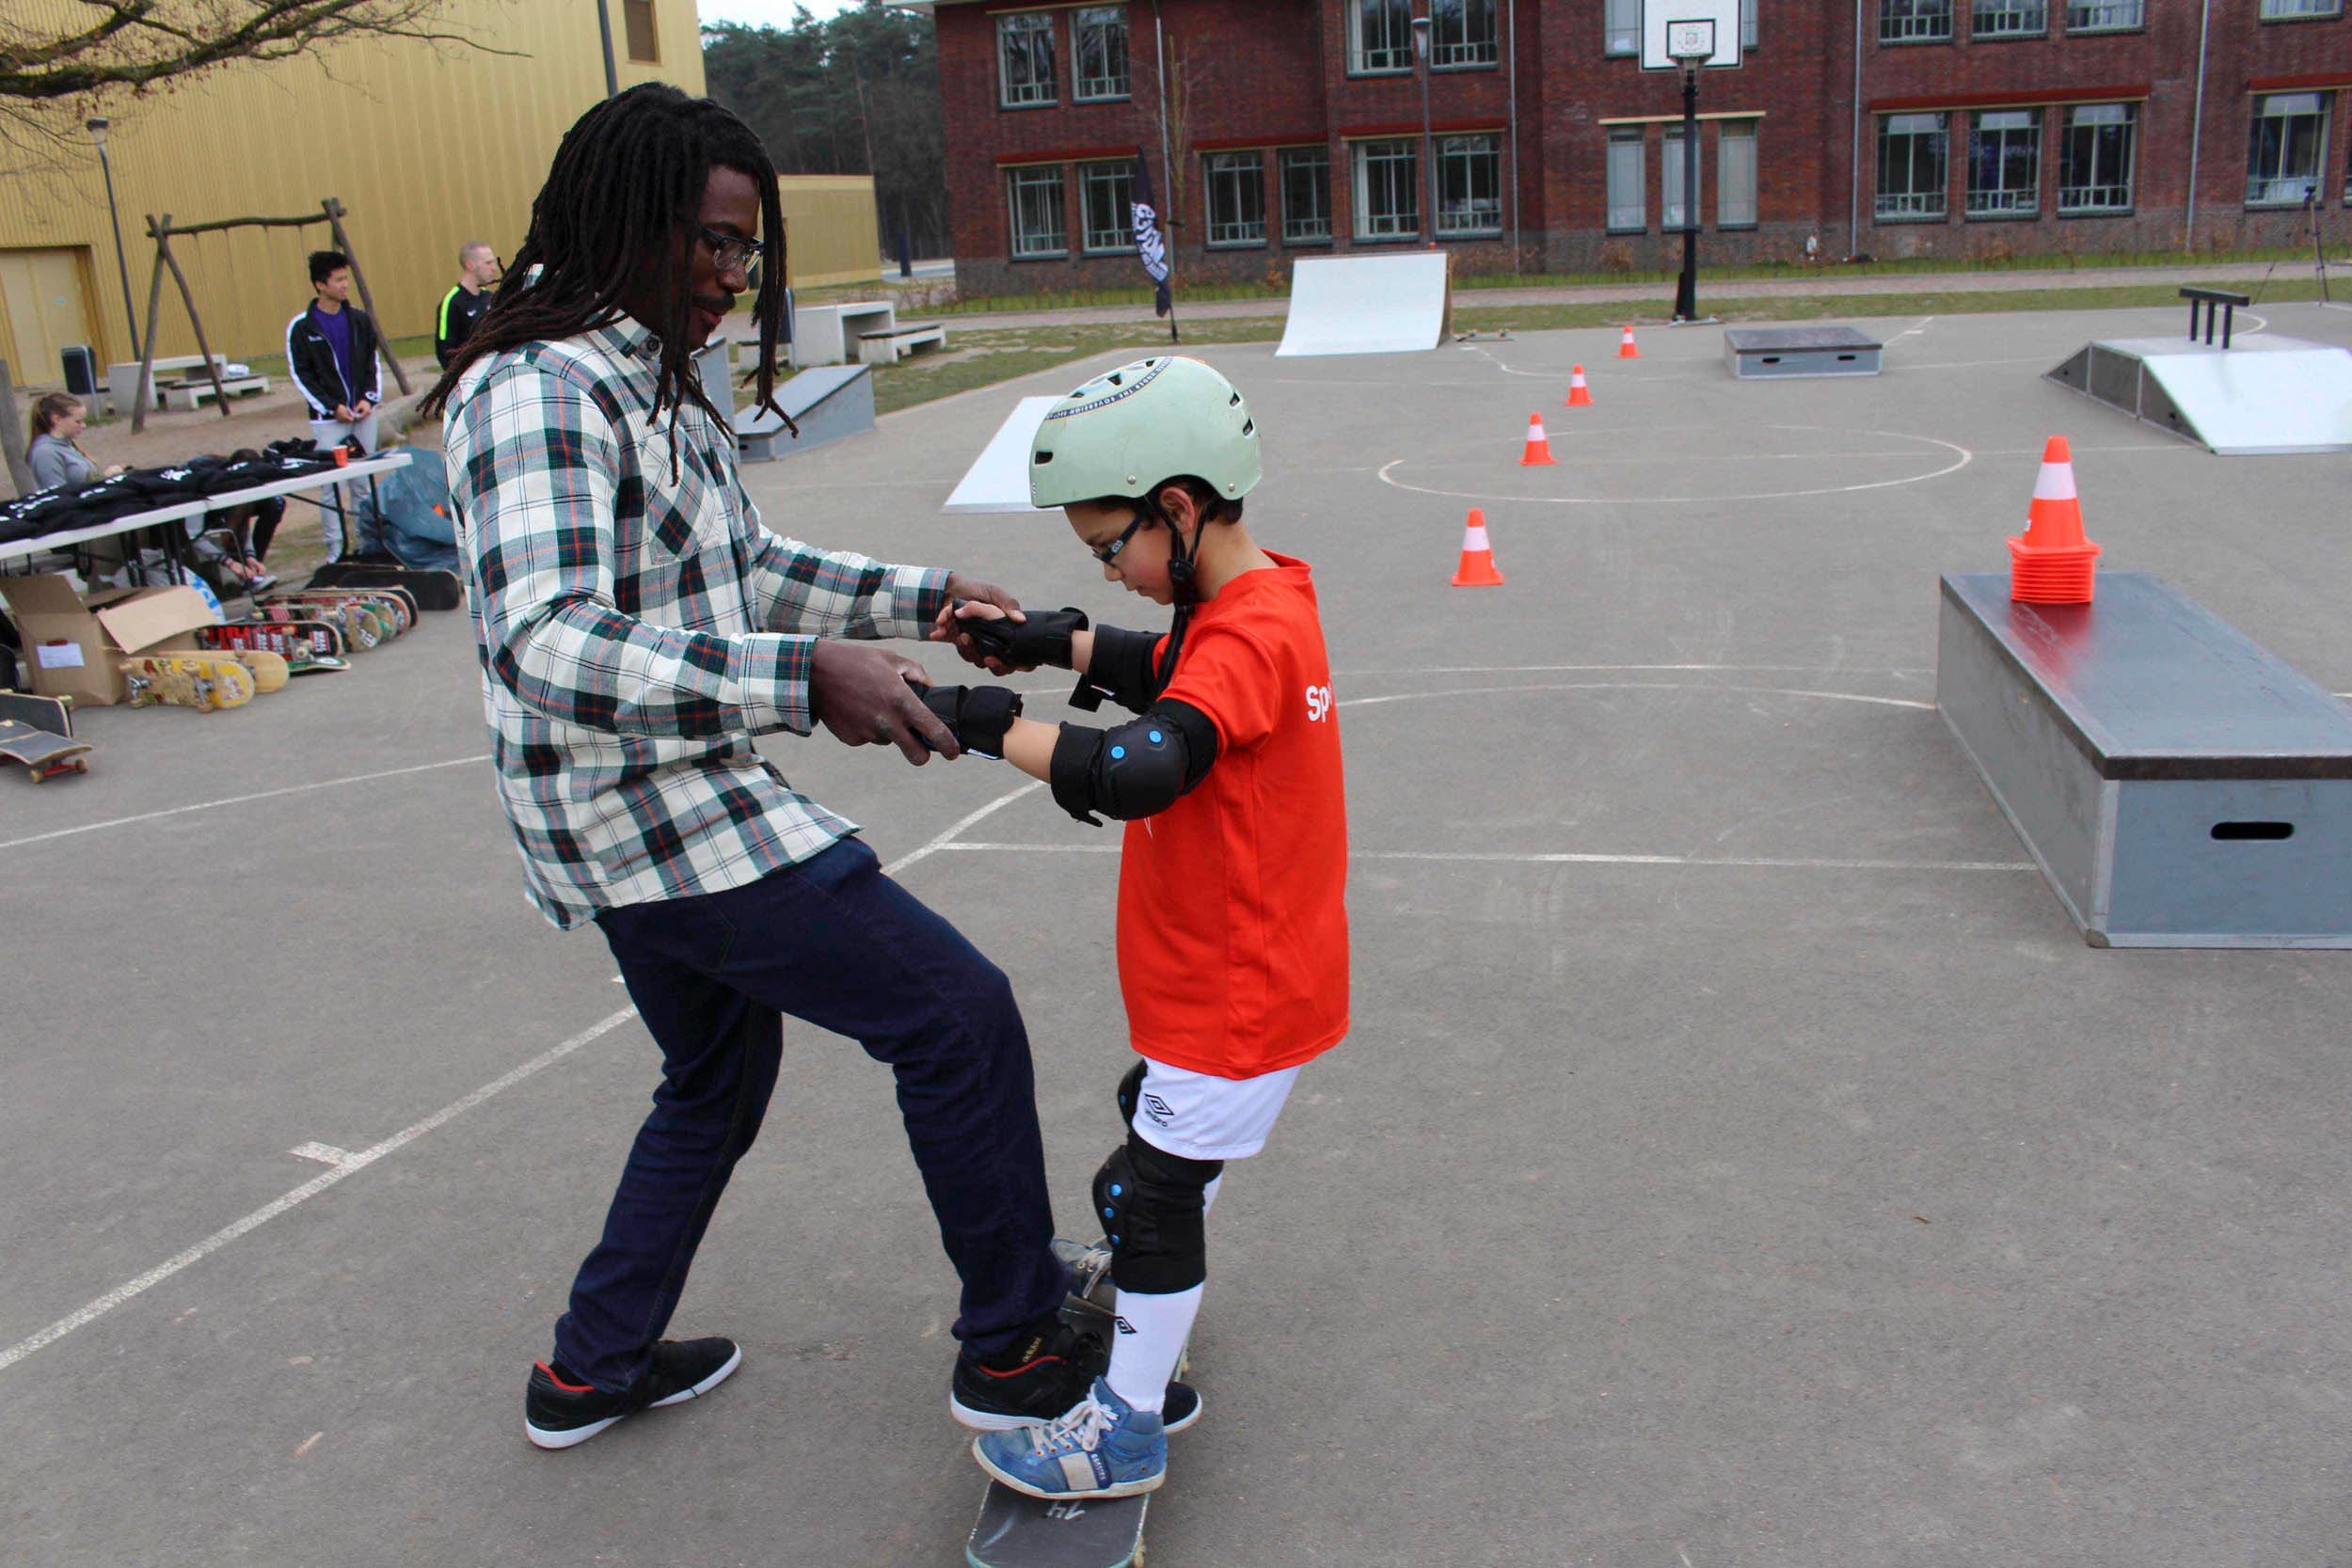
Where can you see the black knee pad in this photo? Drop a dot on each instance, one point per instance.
(1149, 1203)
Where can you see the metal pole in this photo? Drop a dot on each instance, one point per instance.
(1519, 248)
(1686, 290)
(97, 129)
(612, 73)
(1854, 157)
(1167, 163)
(2196, 132)
(1428, 162)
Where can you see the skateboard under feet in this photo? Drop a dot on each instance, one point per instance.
(203, 681)
(39, 732)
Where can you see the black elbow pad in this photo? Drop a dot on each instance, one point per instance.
(1139, 768)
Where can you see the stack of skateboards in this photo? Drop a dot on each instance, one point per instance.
(309, 631)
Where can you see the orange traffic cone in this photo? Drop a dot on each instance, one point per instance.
(1625, 344)
(2053, 563)
(1538, 453)
(1477, 569)
(1580, 395)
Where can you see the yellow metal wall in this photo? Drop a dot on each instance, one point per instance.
(830, 219)
(428, 146)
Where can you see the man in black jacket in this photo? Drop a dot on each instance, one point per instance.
(468, 300)
(331, 352)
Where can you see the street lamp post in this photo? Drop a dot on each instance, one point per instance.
(1428, 164)
(97, 129)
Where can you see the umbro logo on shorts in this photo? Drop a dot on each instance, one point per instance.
(1157, 1109)
(1124, 1326)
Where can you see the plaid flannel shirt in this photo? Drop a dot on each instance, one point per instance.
(637, 625)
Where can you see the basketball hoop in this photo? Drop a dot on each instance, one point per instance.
(1690, 44)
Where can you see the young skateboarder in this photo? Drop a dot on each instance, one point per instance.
(1233, 929)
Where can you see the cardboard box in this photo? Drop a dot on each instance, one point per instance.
(73, 645)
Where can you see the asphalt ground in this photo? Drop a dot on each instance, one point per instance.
(1738, 1157)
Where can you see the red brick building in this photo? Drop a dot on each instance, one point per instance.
(1277, 128)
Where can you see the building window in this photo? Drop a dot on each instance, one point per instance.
(1915, 20)
(1735, 175)
(1629, 180)
(1747, 24)
(2009, 19)
(1910, 168)
(1236, 199)
(1463, 33)
(2288, 149)
(1671, 182)
(1305, 196)
(2105, 16)
(1379, 36)
(1388, 190)
(1622, 28)
(1036, 214)
(1099, 45)
(2095, 159)
(2005, 164)
(1107, 195)
(2295, 10)
(645, 38)
(1470, 186)
(1024, 59)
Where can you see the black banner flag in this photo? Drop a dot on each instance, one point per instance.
(1149, 247)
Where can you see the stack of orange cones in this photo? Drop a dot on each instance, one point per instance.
(1477, 569)
(1538, 453)
(1580, 395)
(1625, 344)
(2053, 563)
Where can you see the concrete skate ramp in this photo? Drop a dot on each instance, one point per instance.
(998, 480)
(2265, 395)
(1367, 305)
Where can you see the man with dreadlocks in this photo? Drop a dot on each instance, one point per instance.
(637, 626)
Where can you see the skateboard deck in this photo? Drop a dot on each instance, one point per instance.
(270, 671)
(308, 647)
(389, 614)
(432, 589)
(203, 681)
(355, 627)
(39, 732)
(1015, 1531)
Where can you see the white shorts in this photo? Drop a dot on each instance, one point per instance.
(1196, 1116)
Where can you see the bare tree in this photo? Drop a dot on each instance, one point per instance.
(60, 62)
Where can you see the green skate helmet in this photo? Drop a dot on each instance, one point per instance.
(1129, 431)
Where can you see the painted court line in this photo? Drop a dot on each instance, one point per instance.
(342, 1164)
(239, 800)
(1704, 862)
(350, 1165)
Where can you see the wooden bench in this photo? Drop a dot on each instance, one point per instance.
(189, 396)
(889, 347)
(2179, 786)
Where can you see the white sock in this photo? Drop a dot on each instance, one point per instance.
(1149, 1342)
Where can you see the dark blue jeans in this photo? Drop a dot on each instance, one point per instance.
(836, 944)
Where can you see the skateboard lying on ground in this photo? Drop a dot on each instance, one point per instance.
(1016, 1530)
(392, 609)
(432, 589)
(308, 647)
(270, 671)
(357, 628)
(203, 681)
(39, 732)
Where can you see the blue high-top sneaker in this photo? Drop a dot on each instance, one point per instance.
(1101, 1448)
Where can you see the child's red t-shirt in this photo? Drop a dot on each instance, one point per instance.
(1233, 917)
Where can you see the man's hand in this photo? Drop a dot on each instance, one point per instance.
(863, 694)
(343, 414)
(362, 411)
(964, 597)
(1038, 638)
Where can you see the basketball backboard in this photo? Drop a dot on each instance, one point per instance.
(1679, 26)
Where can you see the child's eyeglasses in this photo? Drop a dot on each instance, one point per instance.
(729, 251)
(1108, 553)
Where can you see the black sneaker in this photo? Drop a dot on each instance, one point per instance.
(1048, 1369)
(1183, 1407)
(559, 1410)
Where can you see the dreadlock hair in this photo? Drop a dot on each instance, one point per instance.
(620, 200)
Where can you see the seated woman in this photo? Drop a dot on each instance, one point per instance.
(58, 419)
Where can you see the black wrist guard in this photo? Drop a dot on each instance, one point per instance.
(1119, 670)
(1043, 638)
(978, 716)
